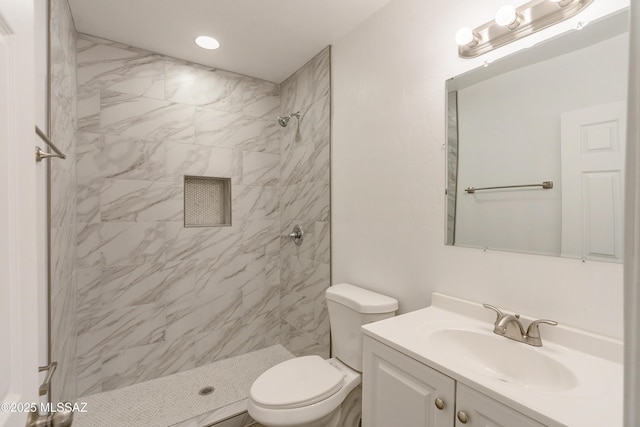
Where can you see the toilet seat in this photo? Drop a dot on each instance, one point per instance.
(299, 382)
(326, 401)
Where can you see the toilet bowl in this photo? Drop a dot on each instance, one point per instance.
(310, 391)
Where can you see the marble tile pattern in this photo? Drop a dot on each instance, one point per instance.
(305, 146)
(153, 297)
(63, 197)
(452, 164)
(174, 400)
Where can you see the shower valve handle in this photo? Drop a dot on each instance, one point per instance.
(297, 235)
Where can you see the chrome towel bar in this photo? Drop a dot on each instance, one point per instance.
(545, 185)
(41, 154)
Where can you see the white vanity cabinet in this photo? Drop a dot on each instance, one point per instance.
(400, 391)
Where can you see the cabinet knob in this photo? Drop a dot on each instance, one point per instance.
(463, 417)
(439, 404)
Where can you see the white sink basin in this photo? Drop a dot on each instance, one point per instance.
(504, 360)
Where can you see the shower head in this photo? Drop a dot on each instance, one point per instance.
(284, 120)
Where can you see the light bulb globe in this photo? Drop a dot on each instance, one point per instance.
(506, 16)
(464, 36)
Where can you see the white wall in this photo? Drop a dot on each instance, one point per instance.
(509, 133)
(388, 175)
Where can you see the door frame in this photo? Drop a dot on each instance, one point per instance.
(18, 205)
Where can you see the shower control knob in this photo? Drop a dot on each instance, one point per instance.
(297, 235)
(439, 404)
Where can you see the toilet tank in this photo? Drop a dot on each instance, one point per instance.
(350, 307)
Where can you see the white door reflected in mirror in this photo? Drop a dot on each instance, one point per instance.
(593, 147)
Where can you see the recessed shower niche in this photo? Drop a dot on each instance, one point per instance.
(207, 201)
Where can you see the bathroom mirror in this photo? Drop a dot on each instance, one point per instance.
(555, 114)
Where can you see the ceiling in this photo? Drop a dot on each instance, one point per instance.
(268, 39)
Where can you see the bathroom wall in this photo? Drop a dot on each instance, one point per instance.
(154, 297)
(304, 200)
(63, 286)
(388, 171)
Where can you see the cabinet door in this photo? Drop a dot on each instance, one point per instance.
(482, 411)
(400, 391)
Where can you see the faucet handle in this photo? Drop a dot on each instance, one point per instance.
(533, 332)
(497, 310)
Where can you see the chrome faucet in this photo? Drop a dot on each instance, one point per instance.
(509, 326)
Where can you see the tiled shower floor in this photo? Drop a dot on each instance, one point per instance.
(174, 400)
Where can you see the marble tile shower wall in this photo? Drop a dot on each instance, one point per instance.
(63, 200)
(154, 297)
(305, 200)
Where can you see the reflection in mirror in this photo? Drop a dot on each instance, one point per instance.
(553, 112)
(452, 164)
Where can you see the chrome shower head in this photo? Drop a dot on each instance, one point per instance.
(284, 120)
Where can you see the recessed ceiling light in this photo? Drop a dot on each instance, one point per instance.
(207, 42)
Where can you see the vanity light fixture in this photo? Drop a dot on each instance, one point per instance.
(207, 42)
(513, 23)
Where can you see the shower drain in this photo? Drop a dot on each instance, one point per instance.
(205, 391)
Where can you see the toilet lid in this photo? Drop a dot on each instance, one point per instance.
(296, 382)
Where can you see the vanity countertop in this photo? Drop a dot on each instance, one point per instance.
(586, 391)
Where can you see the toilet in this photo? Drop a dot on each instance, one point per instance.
(310, 391)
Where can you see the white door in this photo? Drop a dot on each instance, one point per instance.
(18, 288)
(593, 145)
